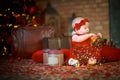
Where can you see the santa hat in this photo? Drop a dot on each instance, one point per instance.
(78, 22)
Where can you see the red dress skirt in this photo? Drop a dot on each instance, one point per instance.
(83, 51)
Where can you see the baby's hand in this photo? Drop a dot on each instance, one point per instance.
(93, 37)
(99, 35)
(92, 34)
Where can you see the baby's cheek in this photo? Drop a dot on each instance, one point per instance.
(82, 32)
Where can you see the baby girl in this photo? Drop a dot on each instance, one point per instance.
(82, 51)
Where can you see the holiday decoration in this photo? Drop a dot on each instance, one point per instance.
(53, 57)
(32, 10)
(25, 8)
(52, 17)
(13, 14)
(19, 58)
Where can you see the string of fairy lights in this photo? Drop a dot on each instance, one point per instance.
(27, 17)
(14, 17)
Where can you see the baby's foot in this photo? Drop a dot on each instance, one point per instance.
(73, 62)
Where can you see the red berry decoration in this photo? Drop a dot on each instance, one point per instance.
(25, 8)
(19, 58)
(32, 10)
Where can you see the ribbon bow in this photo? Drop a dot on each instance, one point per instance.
(78, 25)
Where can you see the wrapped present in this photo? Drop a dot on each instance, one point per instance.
(56, 43)
(53, 57)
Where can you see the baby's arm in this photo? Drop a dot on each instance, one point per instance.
(81, 38)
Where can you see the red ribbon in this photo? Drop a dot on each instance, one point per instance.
(78, 25)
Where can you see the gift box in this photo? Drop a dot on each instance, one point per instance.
(56, 43)
(53, 57)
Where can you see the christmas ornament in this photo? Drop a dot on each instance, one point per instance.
(25, 8)
(32, 10)
(19, 58)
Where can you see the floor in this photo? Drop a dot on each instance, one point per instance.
(27, 69)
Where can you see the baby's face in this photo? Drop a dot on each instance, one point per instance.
(84, 29)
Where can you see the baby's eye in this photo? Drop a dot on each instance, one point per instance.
(86, 27)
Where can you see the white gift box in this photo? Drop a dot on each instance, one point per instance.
(53, 57)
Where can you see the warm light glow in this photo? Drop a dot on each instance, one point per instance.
(13, 13)
(35, 25)
(5, 49)
(10, 25)
(8, 9)
(27, 17)
(7, 24)
(33, 17)
(15, 26)
(1, 15)
(3, 54)
(4, 14)
(23, 14)
(18, 15)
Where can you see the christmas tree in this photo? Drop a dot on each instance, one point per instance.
(14, 13)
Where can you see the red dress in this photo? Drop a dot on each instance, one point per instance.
(85, 50)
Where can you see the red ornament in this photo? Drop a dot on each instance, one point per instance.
(25, 8)
(32, 10)
(19, 58)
